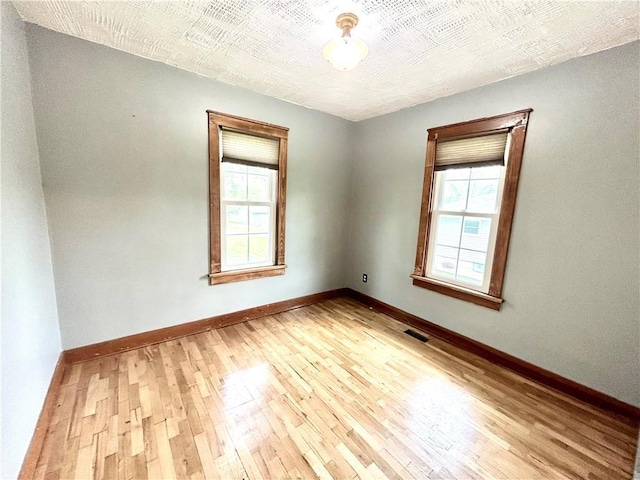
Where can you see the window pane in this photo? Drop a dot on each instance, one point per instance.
(259, 170)
(483, 195)
(457, 174)
(448, 252)
(234, 167)
(486, 172)
(454, 197)
(235, 185)
(475, 234)
(237, 219)
(237, 249)
(448, 230)
(444, 261)
(259, 188)
(259, 248)
(471, 267)
(259, 219)
(471, 227)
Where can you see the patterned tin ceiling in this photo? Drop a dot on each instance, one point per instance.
(418, 50)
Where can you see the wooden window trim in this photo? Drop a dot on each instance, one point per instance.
(217, 121)
(456, 291)
(246, 274)
(516, 124)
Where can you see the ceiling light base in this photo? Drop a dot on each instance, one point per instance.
(347, 20)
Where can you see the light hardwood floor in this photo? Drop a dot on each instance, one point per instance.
(330, 390)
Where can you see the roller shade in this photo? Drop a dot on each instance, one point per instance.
(482, 150)
(250, 150)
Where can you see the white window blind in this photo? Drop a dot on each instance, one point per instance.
(250, 150)
(480, 151)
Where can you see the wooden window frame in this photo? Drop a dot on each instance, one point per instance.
(516, 124)
(218, 121)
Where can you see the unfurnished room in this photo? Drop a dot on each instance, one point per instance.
(358, 239)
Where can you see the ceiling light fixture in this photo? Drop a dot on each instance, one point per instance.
(346, 53)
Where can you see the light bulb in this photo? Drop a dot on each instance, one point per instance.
(345, 53)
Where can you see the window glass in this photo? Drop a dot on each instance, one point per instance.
(259, 248)
(237, 251)
(235, 183)
(462, 225)
(457, 174)
(237, 219)
(248, 209)
(448, 230)
(454, 197)
(475, 235)
(259, 219)
(258, 187)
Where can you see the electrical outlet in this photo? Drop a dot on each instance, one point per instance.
(364, 277)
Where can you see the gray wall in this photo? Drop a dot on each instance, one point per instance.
(30, 333)
(123, 147)
(572, 280)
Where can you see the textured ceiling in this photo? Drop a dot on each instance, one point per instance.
(418, 50)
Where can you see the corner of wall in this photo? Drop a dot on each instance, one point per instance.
(31, 343)
(353, 151)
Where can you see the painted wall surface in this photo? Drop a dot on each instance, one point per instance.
(30, 332)
(572, 280)
(124, 153)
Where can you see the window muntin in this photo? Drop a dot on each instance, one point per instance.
(464, 223)
(247, 213)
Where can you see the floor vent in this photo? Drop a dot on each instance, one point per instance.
(414, 334)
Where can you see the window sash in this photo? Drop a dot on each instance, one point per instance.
(272, 204)
(436, 213)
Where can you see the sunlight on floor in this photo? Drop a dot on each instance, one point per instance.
(447, 411)
(245, 385)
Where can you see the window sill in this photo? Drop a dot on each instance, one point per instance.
(246, 274)
(460, 293)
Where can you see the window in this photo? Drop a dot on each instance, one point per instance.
(248, 211)
(464, 222)
(468, 202)
(247, 189)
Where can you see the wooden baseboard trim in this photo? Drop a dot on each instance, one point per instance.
(30, 461)
(131, 342)
(526, 369)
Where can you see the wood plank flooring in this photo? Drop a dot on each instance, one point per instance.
(333, 390)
